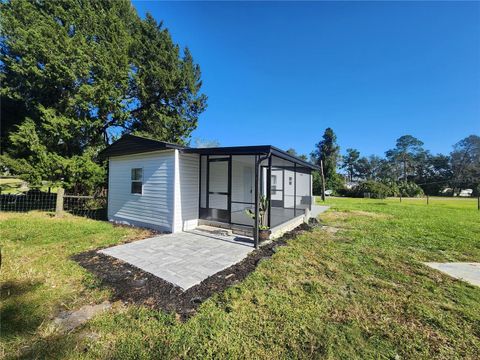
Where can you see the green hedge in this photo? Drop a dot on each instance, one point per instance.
(380, 190)
(372, 189)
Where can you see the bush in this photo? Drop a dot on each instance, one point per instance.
(410, 189)
(336, 183)
(476, 190)
(393, 189)
(372, 189)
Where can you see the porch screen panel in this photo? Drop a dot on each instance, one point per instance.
(216, 201)
(302, 190)
(218, 185)
(243, 189)
(282, 191)
(203, 182)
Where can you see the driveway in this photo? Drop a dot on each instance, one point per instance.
(184, 259)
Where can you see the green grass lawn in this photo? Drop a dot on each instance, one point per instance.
(13, 186)
(360, 292)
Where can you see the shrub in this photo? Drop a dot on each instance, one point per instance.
(370, 188)
(476, 190)
(336, 184)
(410, 189)
(393, 189)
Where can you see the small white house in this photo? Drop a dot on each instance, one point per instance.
(172, 188)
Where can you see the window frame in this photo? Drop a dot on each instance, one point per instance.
(136, 181)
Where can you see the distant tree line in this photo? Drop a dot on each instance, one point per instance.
(408, 168)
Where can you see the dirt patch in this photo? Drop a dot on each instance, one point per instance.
(330, 229)
(134, 286)
(340, 215)
(371, 214)
(67, 321)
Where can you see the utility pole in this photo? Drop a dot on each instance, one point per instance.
(323, 180)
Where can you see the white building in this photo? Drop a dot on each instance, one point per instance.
(172, 188)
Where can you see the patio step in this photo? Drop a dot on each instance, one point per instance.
(224, 229)
(242, 230)
(214, 230)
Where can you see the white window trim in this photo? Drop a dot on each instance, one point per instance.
(131, 181)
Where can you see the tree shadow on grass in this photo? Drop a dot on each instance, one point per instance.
(56, 346)
(53, 347)
(18, 315)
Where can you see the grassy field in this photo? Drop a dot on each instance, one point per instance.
(14, 186)
(356, 289)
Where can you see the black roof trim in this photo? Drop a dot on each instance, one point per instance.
(131, 144)
(251, 150)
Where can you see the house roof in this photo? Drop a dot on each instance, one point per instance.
(252, 150)
(130, 144)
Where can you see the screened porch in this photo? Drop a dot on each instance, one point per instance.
(232, 183)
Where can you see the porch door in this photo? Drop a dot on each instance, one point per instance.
(219, 189)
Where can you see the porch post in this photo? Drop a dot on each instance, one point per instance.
(295, 189)
(258, 162)
(255, 225)
(269, 191)
(311, 190)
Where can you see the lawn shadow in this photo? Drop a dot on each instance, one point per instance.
(12, 289)
(52, 347)
(18, 316)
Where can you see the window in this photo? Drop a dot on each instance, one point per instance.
(290, 180)
(137, 176)
(274, 179)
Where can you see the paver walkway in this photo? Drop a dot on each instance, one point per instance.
(318, 209)
(184, 259)
(469, 272)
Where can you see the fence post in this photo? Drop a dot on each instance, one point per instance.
(427, 199)
(59, 204)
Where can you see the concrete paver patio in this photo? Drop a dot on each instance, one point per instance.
(184, 259)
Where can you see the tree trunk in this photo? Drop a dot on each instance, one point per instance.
(323, 180)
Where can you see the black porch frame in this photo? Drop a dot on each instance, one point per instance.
(226, 215)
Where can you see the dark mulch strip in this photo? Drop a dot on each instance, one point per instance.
(135, 286)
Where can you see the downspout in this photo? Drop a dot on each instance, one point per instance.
(258, 162)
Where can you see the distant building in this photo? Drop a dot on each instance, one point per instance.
(466, 193)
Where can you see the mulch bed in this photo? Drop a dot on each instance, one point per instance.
(134, 286)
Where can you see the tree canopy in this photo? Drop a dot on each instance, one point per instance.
(350, 162)
(465, 163)
(406, 152)
(327, 151)
(77, 73)
(410, 162)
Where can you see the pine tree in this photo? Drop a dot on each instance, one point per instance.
(328, 151)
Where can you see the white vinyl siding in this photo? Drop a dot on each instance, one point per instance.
(153, 208)
(186, 191)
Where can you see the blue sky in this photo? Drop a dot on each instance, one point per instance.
(279, 72)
